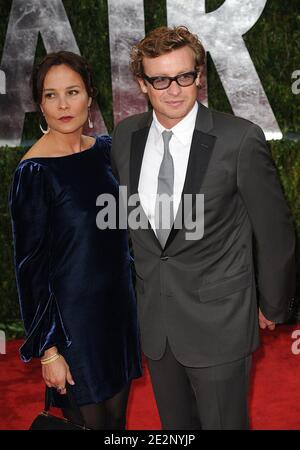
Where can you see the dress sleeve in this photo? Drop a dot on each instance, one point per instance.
(104, 141)
(30, 203)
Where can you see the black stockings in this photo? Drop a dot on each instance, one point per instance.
(107, 415)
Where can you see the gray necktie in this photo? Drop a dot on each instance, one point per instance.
(165, 186)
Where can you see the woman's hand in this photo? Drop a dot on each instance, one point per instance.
(57, 373)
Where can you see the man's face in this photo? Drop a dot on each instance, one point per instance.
(172, 104)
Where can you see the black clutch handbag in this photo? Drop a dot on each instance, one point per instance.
(47, 421)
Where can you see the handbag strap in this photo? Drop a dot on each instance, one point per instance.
(71, 399)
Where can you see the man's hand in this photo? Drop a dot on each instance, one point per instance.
(265, 323)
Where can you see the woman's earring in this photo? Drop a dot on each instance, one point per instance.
(41, 128)
(45, 131)
(91, 125)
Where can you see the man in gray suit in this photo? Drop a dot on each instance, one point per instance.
(197, 297)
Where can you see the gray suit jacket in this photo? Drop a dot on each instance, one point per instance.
(202, 294)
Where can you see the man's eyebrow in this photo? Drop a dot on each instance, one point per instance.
(167, 76)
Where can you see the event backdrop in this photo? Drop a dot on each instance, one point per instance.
(252, 70)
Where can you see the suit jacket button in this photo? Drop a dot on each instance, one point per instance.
(164, 258)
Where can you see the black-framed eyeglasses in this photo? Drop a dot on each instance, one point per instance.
(183, 80)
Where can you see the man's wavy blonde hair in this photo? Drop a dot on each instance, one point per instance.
(161, 41)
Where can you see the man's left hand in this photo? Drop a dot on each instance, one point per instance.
(265, 323)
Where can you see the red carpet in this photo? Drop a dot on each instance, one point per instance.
(274, 395)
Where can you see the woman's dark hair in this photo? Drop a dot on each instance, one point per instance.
(74, 61)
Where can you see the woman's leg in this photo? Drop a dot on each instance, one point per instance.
(107, 415)
(92, 416)
(116, 410)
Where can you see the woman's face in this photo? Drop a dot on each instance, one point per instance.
(65, 100)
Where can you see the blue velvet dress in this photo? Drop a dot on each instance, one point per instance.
(74, 280)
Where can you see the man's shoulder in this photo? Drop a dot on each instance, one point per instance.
(231, 121)
(135, 122)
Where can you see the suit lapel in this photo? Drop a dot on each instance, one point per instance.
(200, 153)
(138, 144)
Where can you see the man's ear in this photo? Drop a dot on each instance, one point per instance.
(198, 79)
(143, 86)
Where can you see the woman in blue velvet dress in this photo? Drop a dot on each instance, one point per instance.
(74, 279)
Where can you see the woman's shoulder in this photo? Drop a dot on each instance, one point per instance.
(30, 180)
(28, 170)
(38, 150)
(40, 154)
(32, 164)
(104, 140)
(103, 143)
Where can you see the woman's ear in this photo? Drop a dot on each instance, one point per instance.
(90, 101)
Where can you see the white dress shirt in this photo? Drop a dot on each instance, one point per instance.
(180, 145)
